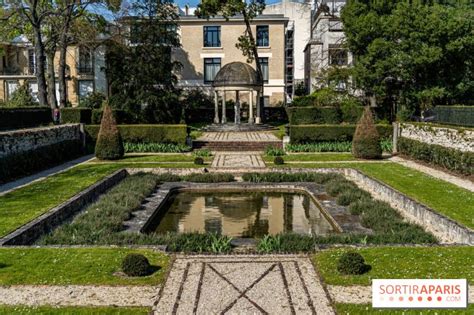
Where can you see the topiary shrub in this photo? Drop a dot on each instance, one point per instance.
(198, 160)
(109, 145)
(366, 140)
(136, 265)
(278, 160)
(352, 263)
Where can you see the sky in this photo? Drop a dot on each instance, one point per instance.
(193, 3)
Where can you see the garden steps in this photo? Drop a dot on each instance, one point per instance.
(237, 141)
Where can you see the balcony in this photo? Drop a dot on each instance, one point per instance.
(85, 70)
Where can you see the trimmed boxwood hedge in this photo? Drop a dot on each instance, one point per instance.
(175, 134)
(76, 115)
(455, 115)
(323, 133)
(452, 159)
(24, 117)
(25, 163)
(314, 115)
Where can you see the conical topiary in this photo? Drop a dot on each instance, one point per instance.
(366, 140)
(109, 144)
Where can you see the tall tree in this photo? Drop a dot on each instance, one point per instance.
(248, 10)
(412, 53)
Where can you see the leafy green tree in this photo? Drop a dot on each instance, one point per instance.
(412, 53)
(21, 98)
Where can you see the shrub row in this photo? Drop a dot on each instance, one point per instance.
(323, 133)
(15, 118)
(91, 116)
(155, 147)
(175, 134)
(323, 115)
(455, 115)
(25, 163)
(334, 146)
(452, 159)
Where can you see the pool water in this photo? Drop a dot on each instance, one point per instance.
(241, 214)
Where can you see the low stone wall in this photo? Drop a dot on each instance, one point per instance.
(459, 139)
(22, 140)
(31, 231)
(444, 228)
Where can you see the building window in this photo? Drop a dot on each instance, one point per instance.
(264, 65)
(31, 61)
(212, 36)
(12, 86)
(335, 26)
(85, 87)
(337, 56)
(33, 88)
(85, 61)
(211, 67)
(263, 37)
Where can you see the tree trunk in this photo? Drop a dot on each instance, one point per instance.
(40, 67)
(62, 72)
(51, 81)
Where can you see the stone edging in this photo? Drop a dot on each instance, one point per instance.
(30, 231)
(441, 226)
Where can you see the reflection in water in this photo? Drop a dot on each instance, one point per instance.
(242, 214)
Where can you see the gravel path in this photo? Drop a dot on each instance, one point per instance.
(243, 284)
(76, 295)
(463, 183)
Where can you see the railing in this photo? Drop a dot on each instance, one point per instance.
(85, 70)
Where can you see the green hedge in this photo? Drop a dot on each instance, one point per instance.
(314, 115)
(25, 163)
(454, 160)
(175, 134)
(120, 115)
(15, 118)
(455, 115)
(76, 115)
(323, 133)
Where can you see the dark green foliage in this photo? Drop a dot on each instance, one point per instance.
(202, 153)
(359, 206)
(300, 89)
(25, 163)
(136, 265)
(14, 118)
(109, 145)
(93, 101)
(198, 106)
(278, 160)
(351, 111)
(168, 177)
(198, 243)
(352, 263)
(455, 115)
(21, 98)
(274, 151)
(198, 160)
(209, 177)
(452, 159)
(319, 178)
(314, 115)
(155, 147)
(339, 146)
(285, 243)
(324, 133)
(366, 140)
(175, 134)
(76, 115)
(339, 185)
(352, 195)
(121, 116)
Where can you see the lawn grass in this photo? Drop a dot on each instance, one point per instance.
(314, 157)
(78, 266)
(363, 309)
(400, 263)
(446, 198)
(72, 310)
(23, 205)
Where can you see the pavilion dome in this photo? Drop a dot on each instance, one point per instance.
(236, 74)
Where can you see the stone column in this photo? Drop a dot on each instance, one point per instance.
(237, 108)
(224, 118)
(216, 107)
(258, 119)
(251, 120)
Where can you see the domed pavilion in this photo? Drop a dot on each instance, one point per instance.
(237, 77)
